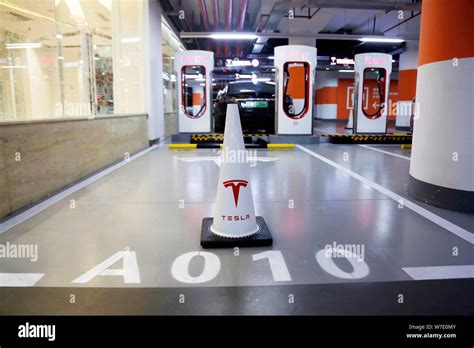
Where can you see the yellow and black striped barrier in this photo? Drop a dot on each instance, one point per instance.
(218, 146)
(368, 138)
(206, 138)
(216, 138)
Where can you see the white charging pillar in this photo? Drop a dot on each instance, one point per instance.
(295, 66)
(371, 118)
(194, 85)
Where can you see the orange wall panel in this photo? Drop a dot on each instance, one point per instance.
(446, 30)
(326, 95)
(407, 84)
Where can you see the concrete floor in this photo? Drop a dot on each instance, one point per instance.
(153, 206)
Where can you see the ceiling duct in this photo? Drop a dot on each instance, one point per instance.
(277, 13)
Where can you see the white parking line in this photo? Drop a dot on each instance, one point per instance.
(387, 152)
(440, 272)
(19, 279)
(447, 225)
(18, 219)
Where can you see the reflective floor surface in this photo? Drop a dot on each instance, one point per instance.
(139, 227)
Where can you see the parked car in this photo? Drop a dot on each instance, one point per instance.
(256, 103)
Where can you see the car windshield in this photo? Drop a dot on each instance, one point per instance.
(249, 87)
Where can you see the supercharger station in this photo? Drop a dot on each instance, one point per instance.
(295, 66)
(377, 67)
(193, 70)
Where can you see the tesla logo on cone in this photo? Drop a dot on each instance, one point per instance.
(236, 185)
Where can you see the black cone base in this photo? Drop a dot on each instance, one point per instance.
(210, 240)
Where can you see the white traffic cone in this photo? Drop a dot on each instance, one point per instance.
(349, 123)
(234, 222)
(234, 213)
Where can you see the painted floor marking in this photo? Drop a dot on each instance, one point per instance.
(19, 279)
(216, 159)
(324, 131)
(18, 219)
(440, 272)
(447, 225)
(387, 152)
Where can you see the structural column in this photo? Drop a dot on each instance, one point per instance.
(406, 85)
(442, 162)
(154, 71)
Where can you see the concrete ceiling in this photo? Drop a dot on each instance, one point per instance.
(364, 17)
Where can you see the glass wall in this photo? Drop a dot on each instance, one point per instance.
(171, 45)
(69, 58)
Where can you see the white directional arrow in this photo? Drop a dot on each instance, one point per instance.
(19, 279)
(216, 159)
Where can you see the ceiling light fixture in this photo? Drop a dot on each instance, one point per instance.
(233, 36)
(107, 4)
(76, 10)
(346, 71)
(14, 46)
(242, 76)
(130, 40)
(381, 39)
(13, 67)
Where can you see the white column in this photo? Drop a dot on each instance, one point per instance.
(442, 158)
(154, 70)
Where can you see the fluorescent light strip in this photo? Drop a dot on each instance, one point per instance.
(71, 64)
(13, 67)
(346, 71)
(233, 36)
(240, 63)
(107, 4)
(381, 39)
(243, 76)
(14, 46)
(130, 40)
(76, 10)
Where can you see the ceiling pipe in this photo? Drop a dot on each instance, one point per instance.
(242, 11)
(240, 26)
(228, 22)
(217, 23)
(402, 22)
(205, 19)
(200, 34)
